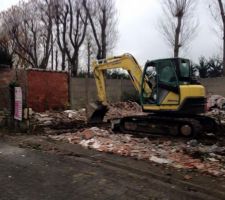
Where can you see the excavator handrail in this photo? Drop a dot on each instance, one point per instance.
(126, 62)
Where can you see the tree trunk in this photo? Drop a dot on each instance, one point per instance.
(224, 51)
(104, 45)
(89, 58)
(63, 61)
(177, 37)
(223, 19)
(56, 60)
(52, 52)
(103, 35)
(52, 60)
(74, 64)
(99, 54)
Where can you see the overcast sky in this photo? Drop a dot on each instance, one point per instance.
(139, 35)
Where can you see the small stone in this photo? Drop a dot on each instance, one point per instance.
(187, 177)
(200, 166)
(88, 134)
(178, 166)
(213, 160)
(47, 123)
(173, 150)
(212, 154)
(70, 115)
(160, 160)
(74, 139)
(193, 143)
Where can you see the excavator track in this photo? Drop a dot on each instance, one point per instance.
(187, 126)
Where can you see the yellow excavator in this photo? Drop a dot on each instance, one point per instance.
(174, 101)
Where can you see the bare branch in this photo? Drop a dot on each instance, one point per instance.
(103, 21)
(179, 27)
(217, 9)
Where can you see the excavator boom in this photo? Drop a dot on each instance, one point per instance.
(126, 62)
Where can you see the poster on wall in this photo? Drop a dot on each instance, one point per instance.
(18, 104)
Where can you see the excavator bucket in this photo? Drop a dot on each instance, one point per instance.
(96, 112)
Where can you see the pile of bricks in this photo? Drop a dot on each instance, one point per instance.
(117, 110)
(123, 109)
(54, 118)
(216, 101)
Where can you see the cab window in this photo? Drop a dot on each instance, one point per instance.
(185, 69)
(167, 73)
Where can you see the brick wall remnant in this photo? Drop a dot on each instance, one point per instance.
(47, 90)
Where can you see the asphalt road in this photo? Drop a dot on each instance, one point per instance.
(27, 174)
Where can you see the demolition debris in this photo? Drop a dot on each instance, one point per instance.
(179, 154)
(116, 110)
(216, 101)
(69, 118)
(174, 152)
(123, 109)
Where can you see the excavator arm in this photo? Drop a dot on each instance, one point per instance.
(126, 62)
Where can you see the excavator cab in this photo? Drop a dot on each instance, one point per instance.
(173, 88)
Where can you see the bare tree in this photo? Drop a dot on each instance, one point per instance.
(29, 26)
(89, 49)
(5, 42)
(77, 31)
(71, 21)
(46, 18)
(6, 55)
(61, 20)
(8, 19)
(89, 52)
(103, 21)
(179, 27)
(43, 33)
(217, 9)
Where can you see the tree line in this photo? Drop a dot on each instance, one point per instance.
(179, 26)
(43, 33)
(56, 34)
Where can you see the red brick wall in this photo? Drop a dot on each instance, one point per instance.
(47, 90)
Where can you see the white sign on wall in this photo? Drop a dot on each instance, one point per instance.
(18, 114)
